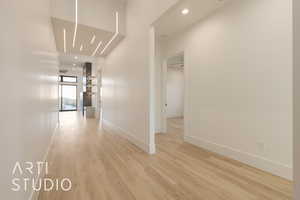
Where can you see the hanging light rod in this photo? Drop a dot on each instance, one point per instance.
(76, 23)
(114, 36)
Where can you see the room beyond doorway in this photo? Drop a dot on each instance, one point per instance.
(175, 87)
(173, 93)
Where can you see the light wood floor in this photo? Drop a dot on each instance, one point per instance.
(104, 166)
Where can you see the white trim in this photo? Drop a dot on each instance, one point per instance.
(112, 128)
(250, 159)
(152, 92)
(35, 194)
(163, 114)
(187, 103)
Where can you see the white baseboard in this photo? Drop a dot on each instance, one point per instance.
(250, 159)
(108, 126)
(35, 194)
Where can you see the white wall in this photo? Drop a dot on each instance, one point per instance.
(126, 74)
(239, 68)
(296, 7)
(94, 13)
(175, 92)
(28, 83)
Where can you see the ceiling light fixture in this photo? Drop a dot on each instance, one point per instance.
(114, 36)
(185, 11)
(76, 57)
(93, 39)
(74, 64)
(65, 46)
(98, 46)
(81, 47)
(76, 22)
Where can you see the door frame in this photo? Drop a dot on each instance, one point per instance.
(61, 98)
(156, 111)
(164, 102)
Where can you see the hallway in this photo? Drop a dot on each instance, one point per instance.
(103, 165)
(229, 67)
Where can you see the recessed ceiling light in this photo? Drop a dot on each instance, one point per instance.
(185, 11)
(76, 57)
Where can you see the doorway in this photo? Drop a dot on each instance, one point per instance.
(173, 92)
(68, 97)
(162, 60)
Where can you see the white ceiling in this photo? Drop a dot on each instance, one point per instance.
(172, 21)
(72, 65)
(69, 60)
(83, 37)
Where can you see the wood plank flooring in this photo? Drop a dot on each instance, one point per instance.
(104, 166)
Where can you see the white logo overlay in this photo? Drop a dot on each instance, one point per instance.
(21, 181)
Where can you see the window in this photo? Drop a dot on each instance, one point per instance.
(67, 93)
(68, 79)
(68, 97)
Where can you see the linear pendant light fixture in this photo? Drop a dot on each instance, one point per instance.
(98, 46)
(93, 39)
(114, 36)
(76, 22)
(65, 46)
